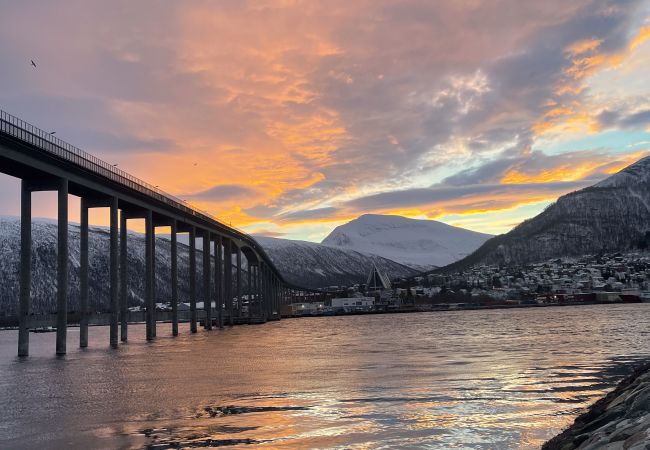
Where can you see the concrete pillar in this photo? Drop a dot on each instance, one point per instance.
(83, 274)
(258, 292)
(227, 277)
(207, 291)
(174, 268)
(193, 279)
(124, 307)
(264, 299)
(149, 300)
(114, 272)
(218, 278)
(249, 290)
(154, 297)
(239, 290)
(25, 268)
(62, 269)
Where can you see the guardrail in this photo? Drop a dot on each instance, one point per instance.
(45, 141)
(22, 130)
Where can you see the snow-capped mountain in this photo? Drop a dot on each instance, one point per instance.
(421, 244)
(44, 245)
(306, 264)
(613, 215)
(317, 265)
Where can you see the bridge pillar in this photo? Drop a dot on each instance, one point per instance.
(218, 278)
(239, 280)
(124, 307)
(193, 279)
(114, 272)
(174, 269)
(62, 269)
(25, 268)
(83, 274)
(227, 272)
(249, 289)
(207, 270)
(266, 292)
(149, 272)
(154, 297)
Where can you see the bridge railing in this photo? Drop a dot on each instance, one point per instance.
(47, 142)
(24, 131)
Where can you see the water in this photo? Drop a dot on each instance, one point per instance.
(466, 379)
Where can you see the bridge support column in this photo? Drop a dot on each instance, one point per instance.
(193, 279)
(62, 269)
(153, 281)
(264, 297)
(25, 268)
(124, 307)
(149, 298)
(83, 274)
(227, 272)
(258, 284)
(174, 268)
(207, 291)
(218, 278)
(239, 290)
(249, 289)
(114, 272)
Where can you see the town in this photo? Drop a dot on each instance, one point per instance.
(590, 279)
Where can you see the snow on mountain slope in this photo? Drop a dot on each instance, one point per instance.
(613, 215)
(316, 265)
(306, 264)
(44, 249)
(421, 244)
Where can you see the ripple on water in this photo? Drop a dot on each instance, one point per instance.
(458, 379)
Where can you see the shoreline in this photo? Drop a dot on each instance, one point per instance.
(619, 420)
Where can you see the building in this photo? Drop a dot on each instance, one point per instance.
(306, 309)
(353, 304)
(377, 281)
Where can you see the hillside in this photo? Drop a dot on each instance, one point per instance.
(613, 215)
(421, 244)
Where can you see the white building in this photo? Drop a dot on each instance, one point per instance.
(353, 304)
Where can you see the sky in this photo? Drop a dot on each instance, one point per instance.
(287, 118)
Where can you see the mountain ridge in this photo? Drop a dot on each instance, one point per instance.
(421, 244)
(612, 215)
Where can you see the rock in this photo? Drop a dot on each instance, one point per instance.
(619, 421)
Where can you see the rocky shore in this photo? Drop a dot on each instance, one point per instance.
(620, 420)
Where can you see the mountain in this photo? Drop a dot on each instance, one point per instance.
(613, 215)
(421, 244)
(316, 265)
(44, 244)
(306, 264)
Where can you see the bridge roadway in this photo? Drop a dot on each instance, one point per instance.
(46, 163)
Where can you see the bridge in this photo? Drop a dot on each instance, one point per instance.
(44, 162)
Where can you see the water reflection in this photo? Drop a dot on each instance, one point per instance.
(472, 379)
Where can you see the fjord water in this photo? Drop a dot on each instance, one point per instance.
(465, 379)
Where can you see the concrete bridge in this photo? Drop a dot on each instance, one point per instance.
(46, 163)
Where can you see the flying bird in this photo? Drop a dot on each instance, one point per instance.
(33, 63)
(52, 132)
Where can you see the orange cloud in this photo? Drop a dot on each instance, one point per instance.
(571, 116)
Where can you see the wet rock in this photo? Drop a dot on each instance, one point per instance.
(619, 421)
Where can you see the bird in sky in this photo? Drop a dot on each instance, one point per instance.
(52, 132)
(33, 63)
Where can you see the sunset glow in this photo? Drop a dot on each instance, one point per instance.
(287, 118)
